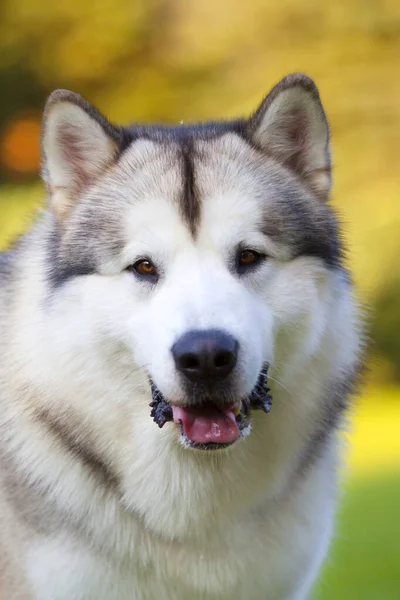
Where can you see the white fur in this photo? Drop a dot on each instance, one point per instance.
(202, 525)
(238, 524)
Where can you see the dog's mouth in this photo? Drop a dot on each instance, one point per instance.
(208, 425)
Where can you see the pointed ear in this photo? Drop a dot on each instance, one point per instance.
(78, 144)
(291, 126)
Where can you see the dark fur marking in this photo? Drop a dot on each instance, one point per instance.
(60, 269)
(184, 135)
(29, 503)
(308, 229)
(76, 446)
(5, 262)
(190, 204)
(336, 405)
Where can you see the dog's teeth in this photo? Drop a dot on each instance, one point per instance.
(237, 408)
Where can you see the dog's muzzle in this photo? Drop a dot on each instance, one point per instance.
(226, 423)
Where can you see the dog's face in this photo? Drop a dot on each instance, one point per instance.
(191, 252)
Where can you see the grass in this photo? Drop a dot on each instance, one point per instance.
(364, 562)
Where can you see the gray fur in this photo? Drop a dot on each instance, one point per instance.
(90, 482)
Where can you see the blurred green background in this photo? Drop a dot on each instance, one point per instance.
(172, 60)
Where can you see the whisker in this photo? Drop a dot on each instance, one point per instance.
(279, 383)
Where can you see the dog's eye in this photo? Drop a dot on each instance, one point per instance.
(145, 268)
(248, 258)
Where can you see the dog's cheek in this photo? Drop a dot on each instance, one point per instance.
(300, 302)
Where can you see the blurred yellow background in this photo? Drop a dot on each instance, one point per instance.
(168, 60)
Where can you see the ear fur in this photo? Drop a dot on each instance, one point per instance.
(290, 125)
(78, 144)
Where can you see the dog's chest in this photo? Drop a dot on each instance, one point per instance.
(251, 560)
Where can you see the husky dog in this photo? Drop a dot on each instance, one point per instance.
(175, 267)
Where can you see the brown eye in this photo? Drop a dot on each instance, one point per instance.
(145, 268)
(248, 257)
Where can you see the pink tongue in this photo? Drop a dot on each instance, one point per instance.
(207, 424)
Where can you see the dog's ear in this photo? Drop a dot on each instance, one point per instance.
(78, 144)
(291, 126)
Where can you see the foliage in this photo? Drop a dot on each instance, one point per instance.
(386, 324)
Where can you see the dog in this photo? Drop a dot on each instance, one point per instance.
(179, 280)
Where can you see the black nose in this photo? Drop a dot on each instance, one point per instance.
(205, 355)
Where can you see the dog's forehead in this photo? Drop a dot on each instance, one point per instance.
(227, 163)
(190, 173)
(219, 180)
(232, 184)
(149, 169)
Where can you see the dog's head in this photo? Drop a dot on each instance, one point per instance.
(181, 256)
